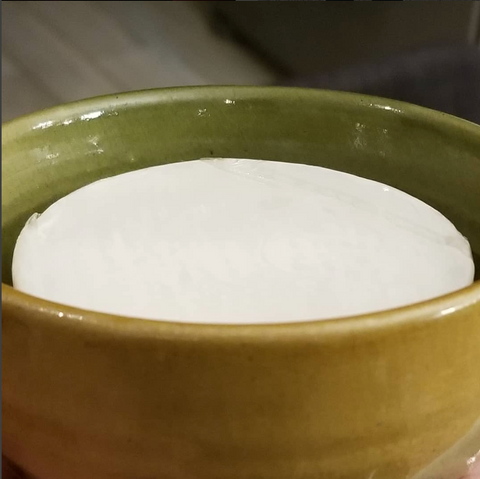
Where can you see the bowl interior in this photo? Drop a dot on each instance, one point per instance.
(430, 155)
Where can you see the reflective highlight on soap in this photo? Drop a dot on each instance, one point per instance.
(239, 241)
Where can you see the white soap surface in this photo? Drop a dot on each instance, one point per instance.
(239, 241)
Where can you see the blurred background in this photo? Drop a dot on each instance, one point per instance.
(422, 52)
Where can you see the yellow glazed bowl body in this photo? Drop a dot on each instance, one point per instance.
(392, 395)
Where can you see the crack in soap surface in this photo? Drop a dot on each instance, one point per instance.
(255, 173)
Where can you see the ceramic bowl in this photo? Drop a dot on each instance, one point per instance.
(392, 395)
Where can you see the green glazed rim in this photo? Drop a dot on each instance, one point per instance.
(414, 315)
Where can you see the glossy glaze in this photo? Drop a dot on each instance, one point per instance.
(392, 395)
